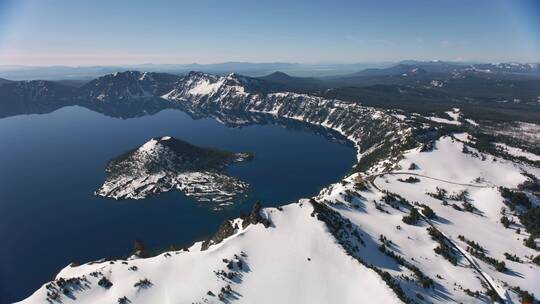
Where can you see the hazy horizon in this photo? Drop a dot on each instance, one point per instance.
(59, 32)
(405, 61)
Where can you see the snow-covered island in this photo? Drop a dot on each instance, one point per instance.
(166, 163)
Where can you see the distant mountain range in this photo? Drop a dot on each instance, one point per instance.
(244, 68)
(510, 89)
(260, 69)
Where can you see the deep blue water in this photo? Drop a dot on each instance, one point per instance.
(50, 164)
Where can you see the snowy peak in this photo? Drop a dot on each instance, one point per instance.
(169, 153)
(164, 141)
(154, 147)
(201, 86)
(197, 84)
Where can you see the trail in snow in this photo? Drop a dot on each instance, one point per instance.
(501, 291)
(373, 176)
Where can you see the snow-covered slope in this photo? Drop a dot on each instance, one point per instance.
(518, 152)
(294, 260)
(479, 176)
(455, 115)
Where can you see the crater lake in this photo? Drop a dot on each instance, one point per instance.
(50, 165)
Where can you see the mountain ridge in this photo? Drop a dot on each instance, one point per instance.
(494, 96)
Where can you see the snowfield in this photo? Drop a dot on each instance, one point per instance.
(448, 162)
(518, 152)
(455, 114)
(452, 169)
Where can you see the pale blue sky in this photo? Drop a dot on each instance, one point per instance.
(73, 32)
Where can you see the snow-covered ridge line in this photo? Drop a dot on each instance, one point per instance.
(365, 127)
(252, 264)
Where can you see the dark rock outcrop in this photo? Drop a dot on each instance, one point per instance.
(227, 228)
(255, 217)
